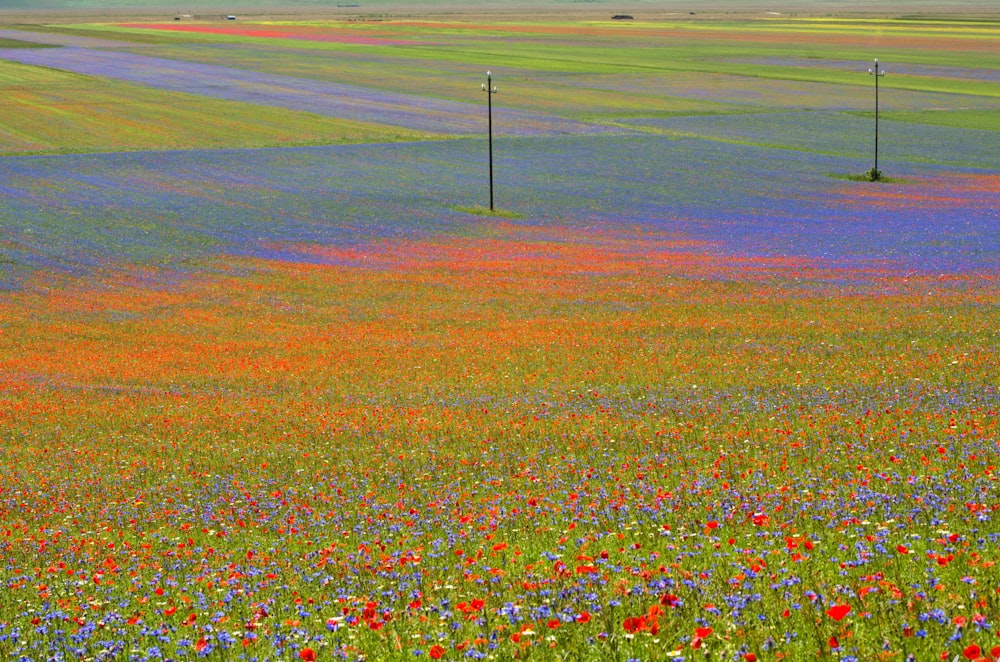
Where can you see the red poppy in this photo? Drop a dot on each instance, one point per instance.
(307, 654)
(553, 624)
(702, 633)
(634, 623)
(902, 549)
(437, 652)
(972, 652)
(837, 612)
(583, 617)
(669, 600)
(834, 642)
(749, 657)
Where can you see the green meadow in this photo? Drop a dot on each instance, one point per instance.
(596, 71)
(52, 111)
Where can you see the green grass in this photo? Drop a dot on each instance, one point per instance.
(50, 111)
(17, 43)
(865, 177)
(983, 119)
(477, 210)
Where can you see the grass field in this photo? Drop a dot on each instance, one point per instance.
(275, 384)
(52, 111)
(602, 72)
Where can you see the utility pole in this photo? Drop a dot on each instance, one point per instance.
(877, 73)
(490, 90)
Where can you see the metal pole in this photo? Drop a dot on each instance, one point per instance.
(876, 113)
(490, 91)
(489, 113)
(878, 73)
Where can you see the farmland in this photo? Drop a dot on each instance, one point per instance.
(276, 385)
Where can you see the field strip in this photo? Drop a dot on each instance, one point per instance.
(323, 98)
(78, 211)
(898, 68)
(53, 39)
(836, 134)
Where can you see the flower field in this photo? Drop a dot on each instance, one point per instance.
(692, 394)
